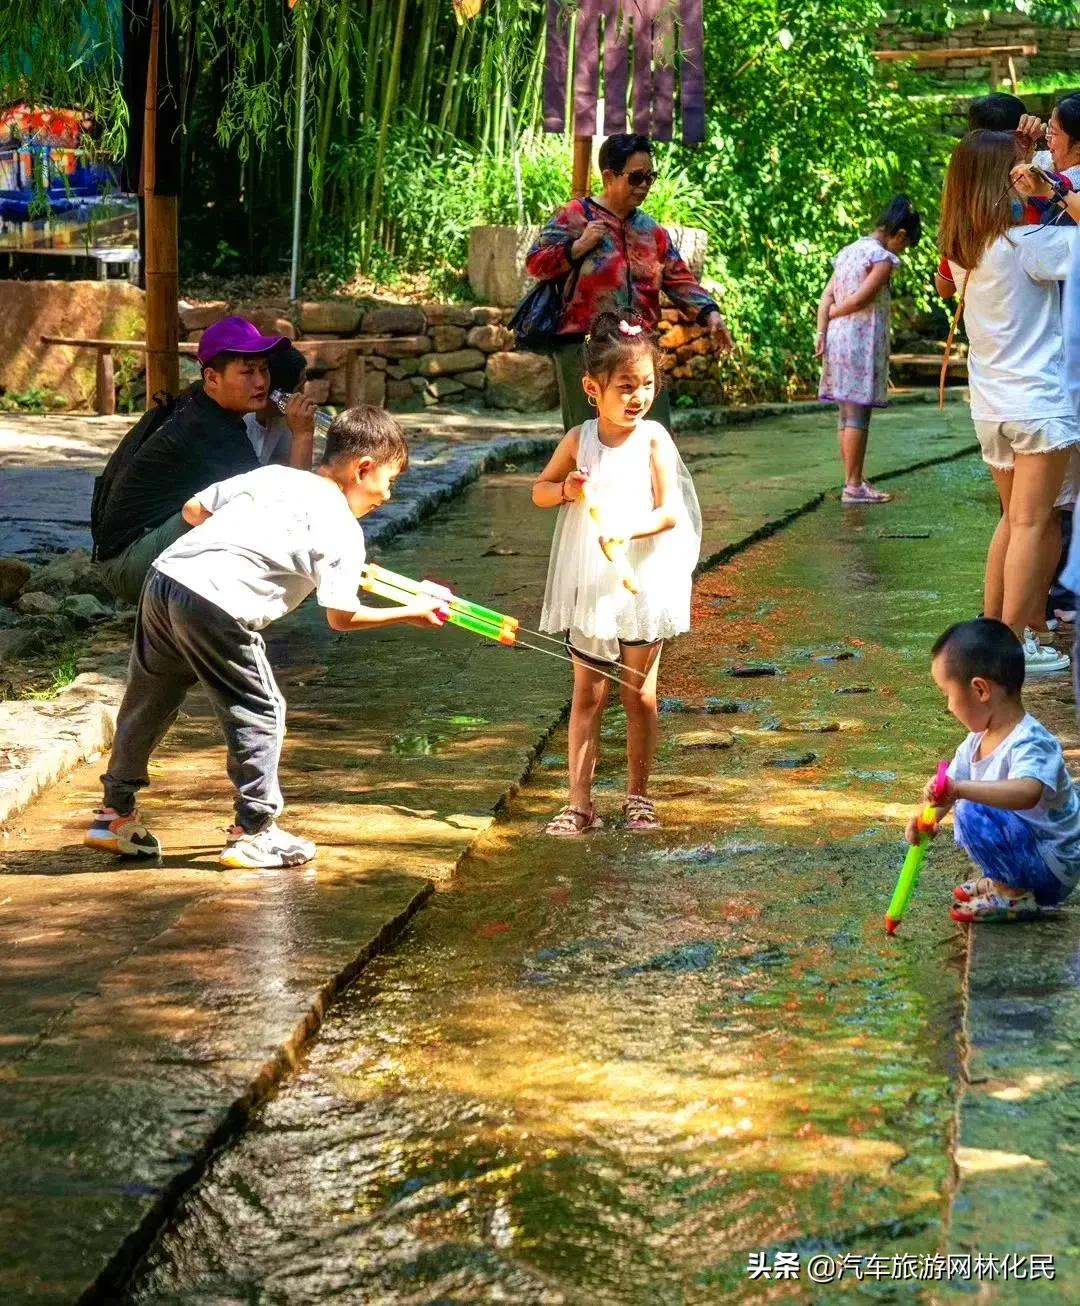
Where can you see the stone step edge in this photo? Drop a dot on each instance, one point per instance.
(708, 418)
(114, 1279)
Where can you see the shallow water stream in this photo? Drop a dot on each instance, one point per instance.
(612, 1070)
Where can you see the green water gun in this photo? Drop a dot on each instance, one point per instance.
(909, 872)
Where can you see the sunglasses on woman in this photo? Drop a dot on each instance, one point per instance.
(640, 177)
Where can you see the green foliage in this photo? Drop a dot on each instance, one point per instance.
(62, 674)
(435, 187)
(66, 54)
(420, 128)
(934, 19)
(30, 401)
(807, 143)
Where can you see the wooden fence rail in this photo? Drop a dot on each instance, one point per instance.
(104, 376)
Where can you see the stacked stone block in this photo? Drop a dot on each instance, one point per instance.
(433, 354)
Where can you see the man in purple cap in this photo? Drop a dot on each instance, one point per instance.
(202, 441)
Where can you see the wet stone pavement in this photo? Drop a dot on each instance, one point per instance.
(612, 1070)
(146, 1010)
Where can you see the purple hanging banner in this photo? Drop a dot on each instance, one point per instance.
(643, 31)
(558, 32)
(692, 71)
(663, 70)
(616, 66)
(586, 68)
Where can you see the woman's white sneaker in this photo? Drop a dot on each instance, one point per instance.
(1042, 661)
(270, 848)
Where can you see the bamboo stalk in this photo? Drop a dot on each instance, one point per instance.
(371, 78)
(326, 119)
(389, 102)
(428, 20)
(459, 86)
(451, 77)
(161, 274)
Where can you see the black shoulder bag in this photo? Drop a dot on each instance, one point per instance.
(536, 319)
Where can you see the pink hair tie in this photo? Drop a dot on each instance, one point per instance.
(629, 330)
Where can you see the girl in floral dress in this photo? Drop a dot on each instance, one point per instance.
(853, 336)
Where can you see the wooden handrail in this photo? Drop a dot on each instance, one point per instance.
(105, 386)
(351, 345)
(940, 54)
(90, 342)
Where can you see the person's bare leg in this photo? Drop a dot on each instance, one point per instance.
(642, 713)
(586, 711)
(1051, 556)
(1037, 481)
(853, 453)
(994, 583)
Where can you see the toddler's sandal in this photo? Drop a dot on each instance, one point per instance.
(640, 813)
(991, 908)
(572, 821)
(976, 888)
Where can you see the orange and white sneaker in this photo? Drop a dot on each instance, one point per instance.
(126, 836)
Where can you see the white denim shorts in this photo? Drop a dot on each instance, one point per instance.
(1000, 442)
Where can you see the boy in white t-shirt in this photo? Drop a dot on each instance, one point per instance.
(262, 542)
(1017, 811)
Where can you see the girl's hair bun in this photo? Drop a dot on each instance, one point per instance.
(616, 326)
(615, 337)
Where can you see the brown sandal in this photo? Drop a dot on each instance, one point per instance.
(572, 821)
(640, 813)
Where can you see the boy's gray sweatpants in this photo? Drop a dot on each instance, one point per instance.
(181, 638)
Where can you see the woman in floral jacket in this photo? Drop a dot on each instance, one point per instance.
(615, 259)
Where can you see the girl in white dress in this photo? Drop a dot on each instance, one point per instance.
(636, 485)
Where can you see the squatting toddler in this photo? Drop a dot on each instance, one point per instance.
(1016, 809)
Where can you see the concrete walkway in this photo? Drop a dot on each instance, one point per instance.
(146, 1010)
(49, 464)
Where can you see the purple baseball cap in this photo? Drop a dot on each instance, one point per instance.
(235, 335)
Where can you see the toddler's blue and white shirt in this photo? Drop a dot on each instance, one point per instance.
(1031, 752)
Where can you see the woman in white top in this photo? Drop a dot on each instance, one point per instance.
(1007, 276)
(1062, 153)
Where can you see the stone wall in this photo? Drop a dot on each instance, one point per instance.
(433, 354)
(84, 310)
(1059, 46)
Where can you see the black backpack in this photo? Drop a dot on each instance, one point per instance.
(120, 460)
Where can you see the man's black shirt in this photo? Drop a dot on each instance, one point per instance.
(198, 444)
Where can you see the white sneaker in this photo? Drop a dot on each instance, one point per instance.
(269, 848)
(1040, 661)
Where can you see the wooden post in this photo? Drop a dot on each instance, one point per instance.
(354, 379)
(104, 386)
(1012, 74)
(159, 213)
(995, 72)
(582, 171)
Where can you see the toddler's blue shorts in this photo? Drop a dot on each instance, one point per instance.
(1003, 845)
